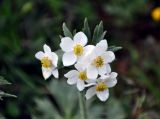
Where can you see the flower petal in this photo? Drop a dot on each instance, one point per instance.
(66, 44)
(46, 72)
(79, 66)
(111, 82)
(47, 49)
(92, 72)
(108, 56)
(39, 55)
(108, 68)
(90, 93)
(72, 80)
(80, 38)
(54, 59)
(71, 73)
(113, 75)
(101, 47)
(69, 59)
(102, 70)
(88, 49)
(103, 95)
(55, 73)
(80, 85)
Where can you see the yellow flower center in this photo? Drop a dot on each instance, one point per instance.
(101, 86)
(98, 62)
(83, 75)
(78, 50)
(156, 14)
(46, 63)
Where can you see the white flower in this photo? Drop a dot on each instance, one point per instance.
(74, 49)
(98, 61)
(49, 61)
(77, 76)
(101, 87)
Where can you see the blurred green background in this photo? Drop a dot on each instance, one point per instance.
(25, 25)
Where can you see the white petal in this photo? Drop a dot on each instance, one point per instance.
(92, 72)
(66, 44)
(54, 59)
(39, 55)
(90, 93)
(47, 49)
(88, 49)
(71, 73)
(55, 73)
(79, 66)
(72, 80)
(69, 59)
(80, 85)
(108, 68)
(101, 47)
(111, 82)
(80, 38)
(113, 75)
(108, 56)
(103, 95)
(102, 70)
(46, 72)
(91, 81)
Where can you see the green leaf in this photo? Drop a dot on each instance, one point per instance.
(74, 31)
(114, 48)
(98, 34)
(102, 36)
(3, 94)
(95, 35)
(3, 81)
(86, 29)
(66, 31)
(100, 28)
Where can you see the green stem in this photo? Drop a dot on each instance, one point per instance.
(82, 104)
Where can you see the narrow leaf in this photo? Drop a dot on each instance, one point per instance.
(66, 31)
(74, 31)
(3, 94)
(100, 28)
(86, 29)
(3, 81)
(102, 36)
(95, 35)
(114, 48)
(98, 34)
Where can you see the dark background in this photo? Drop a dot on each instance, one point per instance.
(25, 25)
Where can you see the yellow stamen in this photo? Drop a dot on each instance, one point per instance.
(156, 14)
(46, 63)
(101, 86)
(98, 62)
(83, 75)
(78, 50)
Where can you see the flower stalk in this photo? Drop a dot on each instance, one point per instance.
(82, 105)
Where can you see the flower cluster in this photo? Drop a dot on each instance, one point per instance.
(92, 65)
(91, 72)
